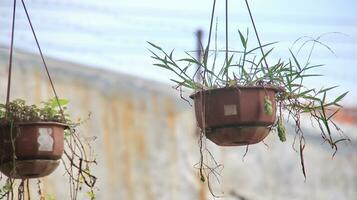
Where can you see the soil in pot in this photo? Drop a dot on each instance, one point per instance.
(237, 115)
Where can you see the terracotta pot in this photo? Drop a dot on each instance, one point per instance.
(21, 169)
(235, 116)
(32, 141)
(237, 136)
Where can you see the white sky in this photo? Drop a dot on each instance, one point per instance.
(112, 34)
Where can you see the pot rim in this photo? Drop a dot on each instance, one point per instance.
(30, 123)
(269, 87)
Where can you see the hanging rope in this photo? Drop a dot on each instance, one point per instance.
(205, 56)
(8, 92)
(210, 30)
(227, 43)
(11, 53)
(75, 145)
(43, 59)
(256, 34)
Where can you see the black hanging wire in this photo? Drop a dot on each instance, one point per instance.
(210, 33)
(8, 92)
(210, 30)
(43, 59)
(227, 36)
(11, 54)
(205, 58)
(77, 143)
(227, 42)
(256, 34)
(206, 52)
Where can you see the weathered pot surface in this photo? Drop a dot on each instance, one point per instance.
(21, 169)
(237, 136)
(235, 116)
(32, 140)
(33, 145)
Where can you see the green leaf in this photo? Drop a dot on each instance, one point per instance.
(61, 102)
(265, 55)
(327, 89)
(295, 60)
(312, 66)
(264, 45)
(185, 83)
(172, 52)
(162, 65)
(303, 94)
(309, 75)
(310, 97)
(91, 195)
(7, 187)
(155, 46)
(190, 60)
(333, 114)
(246, 75)
(339, 98)
(50, 197)
(242, 39)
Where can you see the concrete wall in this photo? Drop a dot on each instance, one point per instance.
(146, 143)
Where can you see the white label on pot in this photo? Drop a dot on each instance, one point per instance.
(230, 110)
(45, 140)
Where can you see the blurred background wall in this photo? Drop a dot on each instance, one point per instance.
(146, 144)
(146, 141)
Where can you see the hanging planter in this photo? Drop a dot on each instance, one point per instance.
(31, 149)
(32, 138)
(35, 139)
(241, 99)
(235, 116)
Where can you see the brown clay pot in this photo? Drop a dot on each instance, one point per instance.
(31, 141)
(235, 116)
(21, 169)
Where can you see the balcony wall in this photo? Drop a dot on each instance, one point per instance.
(146, 144)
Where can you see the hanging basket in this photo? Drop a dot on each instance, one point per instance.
(31, 149)
(235, 116)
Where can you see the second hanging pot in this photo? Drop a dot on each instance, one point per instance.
(235, 116)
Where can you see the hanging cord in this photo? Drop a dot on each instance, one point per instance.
(78, 144)
(10, 59)
(256, 34)
(227, 43)
(43, 60)
(210, 30)
(201, 97)
(205, 56)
